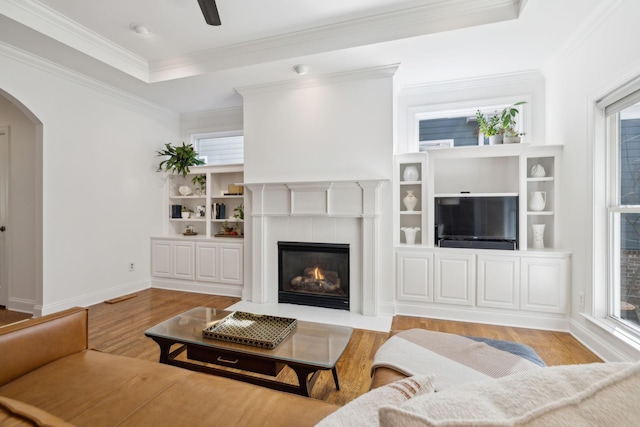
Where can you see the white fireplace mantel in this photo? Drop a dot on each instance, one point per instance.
(328, 212)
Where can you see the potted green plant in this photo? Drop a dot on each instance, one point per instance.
(489, 126)
(239, 211)
(186, 212)
(508, 123)
(200, 181)
(179, 158)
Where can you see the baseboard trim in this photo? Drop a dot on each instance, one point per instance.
(198, 287)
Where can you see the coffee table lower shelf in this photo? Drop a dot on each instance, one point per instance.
(307, 375)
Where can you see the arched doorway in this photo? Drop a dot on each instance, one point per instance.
(21, 270)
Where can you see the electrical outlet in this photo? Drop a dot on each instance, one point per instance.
(132, 266)
(581, 299)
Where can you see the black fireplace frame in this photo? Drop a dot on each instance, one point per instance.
(313, 299)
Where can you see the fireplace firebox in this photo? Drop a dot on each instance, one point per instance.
(315, 274)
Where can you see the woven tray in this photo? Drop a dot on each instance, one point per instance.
(256, 330)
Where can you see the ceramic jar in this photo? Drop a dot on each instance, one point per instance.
(537, 171)
(538, 200)
(410, 200)
(537, 234)
(410, 234)
(410, 173)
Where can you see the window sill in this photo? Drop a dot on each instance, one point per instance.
(616, 330)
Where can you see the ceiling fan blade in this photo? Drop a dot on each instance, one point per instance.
(210, 12)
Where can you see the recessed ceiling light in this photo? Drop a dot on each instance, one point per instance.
(140, 29)
(301, 69)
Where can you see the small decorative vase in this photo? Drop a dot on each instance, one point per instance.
(410, 200)
(537, 233)
(538, 200)
(185, 215)
(511, 140)
(410, 173)
(537, 171)
(410, 234)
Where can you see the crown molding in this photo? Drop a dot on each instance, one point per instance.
(385, 71)
(438, 16)
(473, 83)
(51, 23)
(26, 58)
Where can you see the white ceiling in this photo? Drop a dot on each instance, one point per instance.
(186, 65)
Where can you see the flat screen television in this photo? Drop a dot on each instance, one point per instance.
(484, 222)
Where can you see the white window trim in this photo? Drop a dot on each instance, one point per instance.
(464, 108)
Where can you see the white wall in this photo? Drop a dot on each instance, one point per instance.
(102, 198)
(338, 129)
(21, 236)
(226, 120)
(589, 68)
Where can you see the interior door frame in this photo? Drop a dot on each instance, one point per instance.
(5, 241)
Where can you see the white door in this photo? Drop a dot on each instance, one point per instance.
(4, 213)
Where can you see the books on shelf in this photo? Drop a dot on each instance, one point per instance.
(218, 211)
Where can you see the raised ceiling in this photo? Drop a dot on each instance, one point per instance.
(186, 65)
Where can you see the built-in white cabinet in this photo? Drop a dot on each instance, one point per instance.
(521, 283)
(454, 278)
(219, 262)
(172, 259)
(498, 279)
(544, 284)
(213, 266)
(414, 271)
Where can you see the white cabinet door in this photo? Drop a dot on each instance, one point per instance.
(544, 284)
(415, 275)
(161, 258)
(454, 275)
(183, 258)
(231, 264)
(207, 262)
(498, 281)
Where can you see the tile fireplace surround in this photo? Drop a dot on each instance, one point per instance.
(322, 212)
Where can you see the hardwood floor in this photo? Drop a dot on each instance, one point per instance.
(119, 329)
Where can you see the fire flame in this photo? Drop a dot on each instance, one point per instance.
(317, 274)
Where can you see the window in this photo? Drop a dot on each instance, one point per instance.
(623, 140)
(220, 149)
(442, 126)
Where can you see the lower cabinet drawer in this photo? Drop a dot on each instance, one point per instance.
(230, 360)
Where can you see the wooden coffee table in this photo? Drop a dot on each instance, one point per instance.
(308, 349)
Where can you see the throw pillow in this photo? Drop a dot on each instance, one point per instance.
(363, 411)
(578, 395)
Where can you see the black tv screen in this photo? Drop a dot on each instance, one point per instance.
(492, 218)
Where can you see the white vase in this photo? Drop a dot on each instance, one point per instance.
(410, 234)
(410, 174)
(538, 200)
(185, 215)
(511, 140)
(410, 200)
(537, 234)
(537, 171)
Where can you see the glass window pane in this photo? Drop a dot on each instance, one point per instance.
(629, 267)
(629, 174)
(228, 150)
(462, 130)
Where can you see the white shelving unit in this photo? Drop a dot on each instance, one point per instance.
(482, 284)
(207, 261)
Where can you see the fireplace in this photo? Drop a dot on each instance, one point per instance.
(315, 274)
